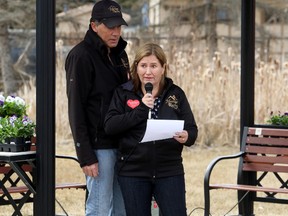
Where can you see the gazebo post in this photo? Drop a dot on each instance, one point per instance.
(247, 88)
(44, 203)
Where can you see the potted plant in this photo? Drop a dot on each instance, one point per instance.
(12, 106)
(2, 132)
(21, 128)
(280, 119)
(16, 127)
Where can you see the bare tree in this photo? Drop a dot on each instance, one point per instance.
(14, 14)
(210, 26)
(21, 15)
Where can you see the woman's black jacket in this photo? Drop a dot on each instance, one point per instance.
(126, 119)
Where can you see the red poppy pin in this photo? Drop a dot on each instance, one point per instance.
(133, 103)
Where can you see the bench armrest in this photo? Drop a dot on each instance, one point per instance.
(70, 184)
(214, 162)
(207, 178)
(67, 157)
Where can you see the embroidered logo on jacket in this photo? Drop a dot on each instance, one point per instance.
(133, 103)
(124, 63)
(172, 101)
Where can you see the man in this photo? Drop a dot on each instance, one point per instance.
(94, 68)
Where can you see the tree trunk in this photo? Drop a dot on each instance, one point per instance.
(210, 27)
(8, 74)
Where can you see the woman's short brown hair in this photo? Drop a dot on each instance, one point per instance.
(145, 50)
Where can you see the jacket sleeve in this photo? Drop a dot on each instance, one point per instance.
(189, 120)
(78, 77)
(118, 120)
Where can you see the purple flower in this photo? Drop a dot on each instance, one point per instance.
(12, 119)
(26, 120)
(2, 99)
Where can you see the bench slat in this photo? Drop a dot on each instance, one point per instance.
(280, 141)
(71, 185)
(24, 189)
(264, 167)
(6, 169)
(266, 159)
(18, 189)
(266, 150)
(248, 188)
(269, 132)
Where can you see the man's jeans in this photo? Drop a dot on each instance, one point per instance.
(104, 198)
(169, 193)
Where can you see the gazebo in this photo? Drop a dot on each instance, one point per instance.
(44, 203)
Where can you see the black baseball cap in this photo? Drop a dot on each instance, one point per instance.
(109, 13)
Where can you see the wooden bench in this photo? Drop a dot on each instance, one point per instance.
(262, 170)
(17, 194)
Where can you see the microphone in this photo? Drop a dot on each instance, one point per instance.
(148, 88)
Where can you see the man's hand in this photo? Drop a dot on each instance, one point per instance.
(91, 170)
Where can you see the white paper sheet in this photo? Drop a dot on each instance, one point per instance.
(158, 129)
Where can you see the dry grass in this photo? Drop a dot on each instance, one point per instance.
(213, 89)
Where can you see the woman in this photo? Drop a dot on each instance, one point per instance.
(152, 168)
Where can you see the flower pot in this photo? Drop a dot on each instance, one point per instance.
(17, 141)
(15, 144)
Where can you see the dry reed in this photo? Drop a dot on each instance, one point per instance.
(212, 88)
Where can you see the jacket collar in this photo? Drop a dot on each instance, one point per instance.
(129, 85)
(97, 43)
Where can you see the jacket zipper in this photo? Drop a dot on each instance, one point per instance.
(154, 163)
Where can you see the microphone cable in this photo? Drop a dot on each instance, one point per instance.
(197, 208)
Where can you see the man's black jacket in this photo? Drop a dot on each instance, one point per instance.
(91, 80)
